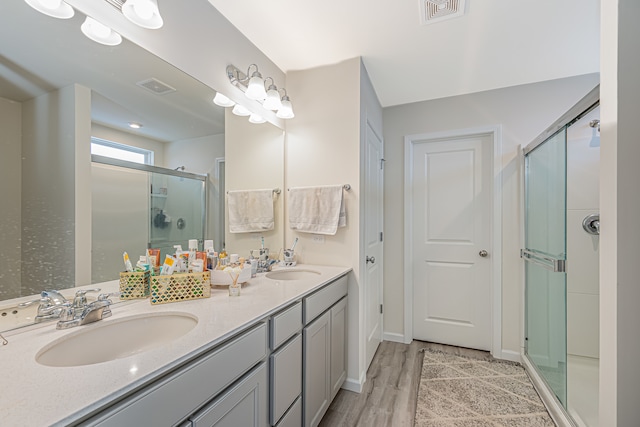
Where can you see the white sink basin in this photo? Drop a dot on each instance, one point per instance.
(116, 339)
(293, 274)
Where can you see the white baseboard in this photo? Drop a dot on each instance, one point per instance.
(355, 385)
(393, 337)
(513, 356)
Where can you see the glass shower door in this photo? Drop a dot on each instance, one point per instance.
(545, 255)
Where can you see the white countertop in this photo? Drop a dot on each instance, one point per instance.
(39, 395)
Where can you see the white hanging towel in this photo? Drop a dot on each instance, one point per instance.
(250, 211)
(318, 210)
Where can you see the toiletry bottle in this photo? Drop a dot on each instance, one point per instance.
(208, 248)
(223, 258)
(179, 266)
(193, 248)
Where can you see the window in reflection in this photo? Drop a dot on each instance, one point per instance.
(118, 151)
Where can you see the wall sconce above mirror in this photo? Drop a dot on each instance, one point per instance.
(255, 88)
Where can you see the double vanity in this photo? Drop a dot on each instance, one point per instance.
(274, 356)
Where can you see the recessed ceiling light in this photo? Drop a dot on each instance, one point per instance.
(135, 125)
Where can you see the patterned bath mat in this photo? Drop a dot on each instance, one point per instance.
(457, 391)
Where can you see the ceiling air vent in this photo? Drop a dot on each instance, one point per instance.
(432, 11)
(156, 86)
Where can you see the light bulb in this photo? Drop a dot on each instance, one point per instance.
(257, 119)
(55, 8)
(239, 110)
(272, 102)
(144, 13)
(286, 111)
(143, 9)
(100, 33)
(222, 100)
(255, 89)
(51, 4)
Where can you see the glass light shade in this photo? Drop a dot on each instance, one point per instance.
(272, 102)
(144, 13)
(255, 89)
(239, 110)
(286, 111)
(100, 33)
(222, 100)
(54, 8)
(257, 119)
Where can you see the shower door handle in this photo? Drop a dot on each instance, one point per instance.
(553, 264)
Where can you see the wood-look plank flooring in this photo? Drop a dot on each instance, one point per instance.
(389, 396)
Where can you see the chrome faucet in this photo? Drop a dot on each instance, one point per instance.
(51, 305)
(92, 312)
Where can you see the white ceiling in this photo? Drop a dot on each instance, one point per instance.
(497, 43)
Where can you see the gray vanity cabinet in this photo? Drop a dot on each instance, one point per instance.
(325, 357)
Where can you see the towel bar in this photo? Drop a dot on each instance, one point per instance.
(346, 187)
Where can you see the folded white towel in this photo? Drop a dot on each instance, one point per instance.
(318, 210)
(250, 211)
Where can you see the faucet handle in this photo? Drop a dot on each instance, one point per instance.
(80, 300)
(42, 301)
(105, 297)
(55, 296)
(68, 312)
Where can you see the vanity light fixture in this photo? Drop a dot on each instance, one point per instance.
(55, 8)
(239, 110)
(100, 33)
(222, 100)
(144, 13)
(254, 89)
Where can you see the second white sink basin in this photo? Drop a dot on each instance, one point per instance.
(293, 274)
(116, 339)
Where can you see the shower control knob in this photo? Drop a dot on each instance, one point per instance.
(483, 253)
(370, 259)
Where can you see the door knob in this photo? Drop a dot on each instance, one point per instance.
(483, 253)
(370, 259)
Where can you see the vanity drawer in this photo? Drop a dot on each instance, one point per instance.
(174, 397)
(293, 418)
(285, 324)
(286, 377)
(319, 302)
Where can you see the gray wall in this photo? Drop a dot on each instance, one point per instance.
(523, 112)
(10, 206)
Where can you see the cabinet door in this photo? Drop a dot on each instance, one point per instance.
(245, 404)
(286, 377)
(338, 346)
(317, 357)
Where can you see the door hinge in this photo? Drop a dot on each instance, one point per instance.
(382, 163)
(381, 236)
(380, 308)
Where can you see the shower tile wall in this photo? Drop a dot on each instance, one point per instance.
(583, 158)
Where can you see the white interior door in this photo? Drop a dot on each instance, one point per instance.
(452, 229)
(373, 200)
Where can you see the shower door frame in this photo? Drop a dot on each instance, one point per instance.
(590, 101)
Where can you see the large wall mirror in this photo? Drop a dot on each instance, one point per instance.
(58, 90)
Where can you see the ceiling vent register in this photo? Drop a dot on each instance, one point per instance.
(156, 86)
(432, 11)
